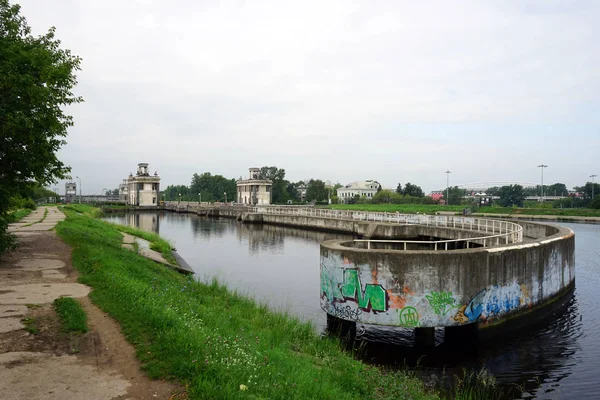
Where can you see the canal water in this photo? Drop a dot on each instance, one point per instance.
(558, 358)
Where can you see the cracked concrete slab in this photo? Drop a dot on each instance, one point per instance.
(10, 324)
(53, 274)
(63, 377)
(12, 310)
(39, 293)
(39, 264)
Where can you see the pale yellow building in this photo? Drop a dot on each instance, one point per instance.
(143, 189)
(254, 191)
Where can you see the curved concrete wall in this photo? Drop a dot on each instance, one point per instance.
(447, 288)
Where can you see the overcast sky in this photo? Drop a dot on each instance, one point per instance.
(394, 91)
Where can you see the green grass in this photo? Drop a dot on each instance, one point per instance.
(574, 212)
(18, 215)
(72, 315)
(212, 340)
(430, 209)
(156, 242)
(402, 208)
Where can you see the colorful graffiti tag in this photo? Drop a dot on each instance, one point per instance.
(409, 317)
(441, 302)
(372, 298)
(493, 301)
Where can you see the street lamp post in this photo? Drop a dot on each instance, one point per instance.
(225, 194)
(79, 189)
(593, 176)
(447, 187)
(179, 198)
(542, 166)
(199, 198)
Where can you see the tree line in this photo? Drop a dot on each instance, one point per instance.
(209, 188)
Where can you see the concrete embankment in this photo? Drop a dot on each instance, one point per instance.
(363, 229)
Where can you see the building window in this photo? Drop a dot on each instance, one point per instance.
(268, 189)
(140, 186)
(154, 200)
(155, 186)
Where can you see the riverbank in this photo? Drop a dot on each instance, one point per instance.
(216, 342)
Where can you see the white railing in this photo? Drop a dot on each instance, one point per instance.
(496, 232)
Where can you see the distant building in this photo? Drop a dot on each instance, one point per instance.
(123, 191)
(143, 189)
(254, 191)
(366, 189)
(437, 195)
(70, 192)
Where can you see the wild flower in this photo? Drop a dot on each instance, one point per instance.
(243, 387)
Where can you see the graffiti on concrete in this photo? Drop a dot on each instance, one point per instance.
(493, 301)
(441, 302)
(370, 298)
(409, 317)
(373, 297)
(345, 312)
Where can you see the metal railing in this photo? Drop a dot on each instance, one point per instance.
(496, 231)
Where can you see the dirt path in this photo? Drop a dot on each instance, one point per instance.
(37, 360)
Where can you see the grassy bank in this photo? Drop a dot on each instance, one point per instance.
(401, 208)
(156, 242)
(219, 344)
(430, 209)
(570, 212)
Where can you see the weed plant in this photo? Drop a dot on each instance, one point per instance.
(72, 315)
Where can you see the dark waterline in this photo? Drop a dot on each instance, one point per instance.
(557, 358)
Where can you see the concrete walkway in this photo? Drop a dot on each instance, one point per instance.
(37, 360)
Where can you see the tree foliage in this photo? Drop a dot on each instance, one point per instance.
(279, 189)
(454, 195)
(316, 190)
(212, 188)
(511, 195)
(37, 78)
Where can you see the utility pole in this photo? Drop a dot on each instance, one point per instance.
(542, 166)
(593, 176)
(447, 187)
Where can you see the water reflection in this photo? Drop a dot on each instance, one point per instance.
(556, 358)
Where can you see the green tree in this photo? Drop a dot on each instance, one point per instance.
(292, 191)
(37, 77)
(172, 192)
(278, 190)
(384, 196)
(212, 188)
(557, 189)
(399, 189)
(587, 191)
(455, 195)
(511, 195)
(413, 190)
(316, 190)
